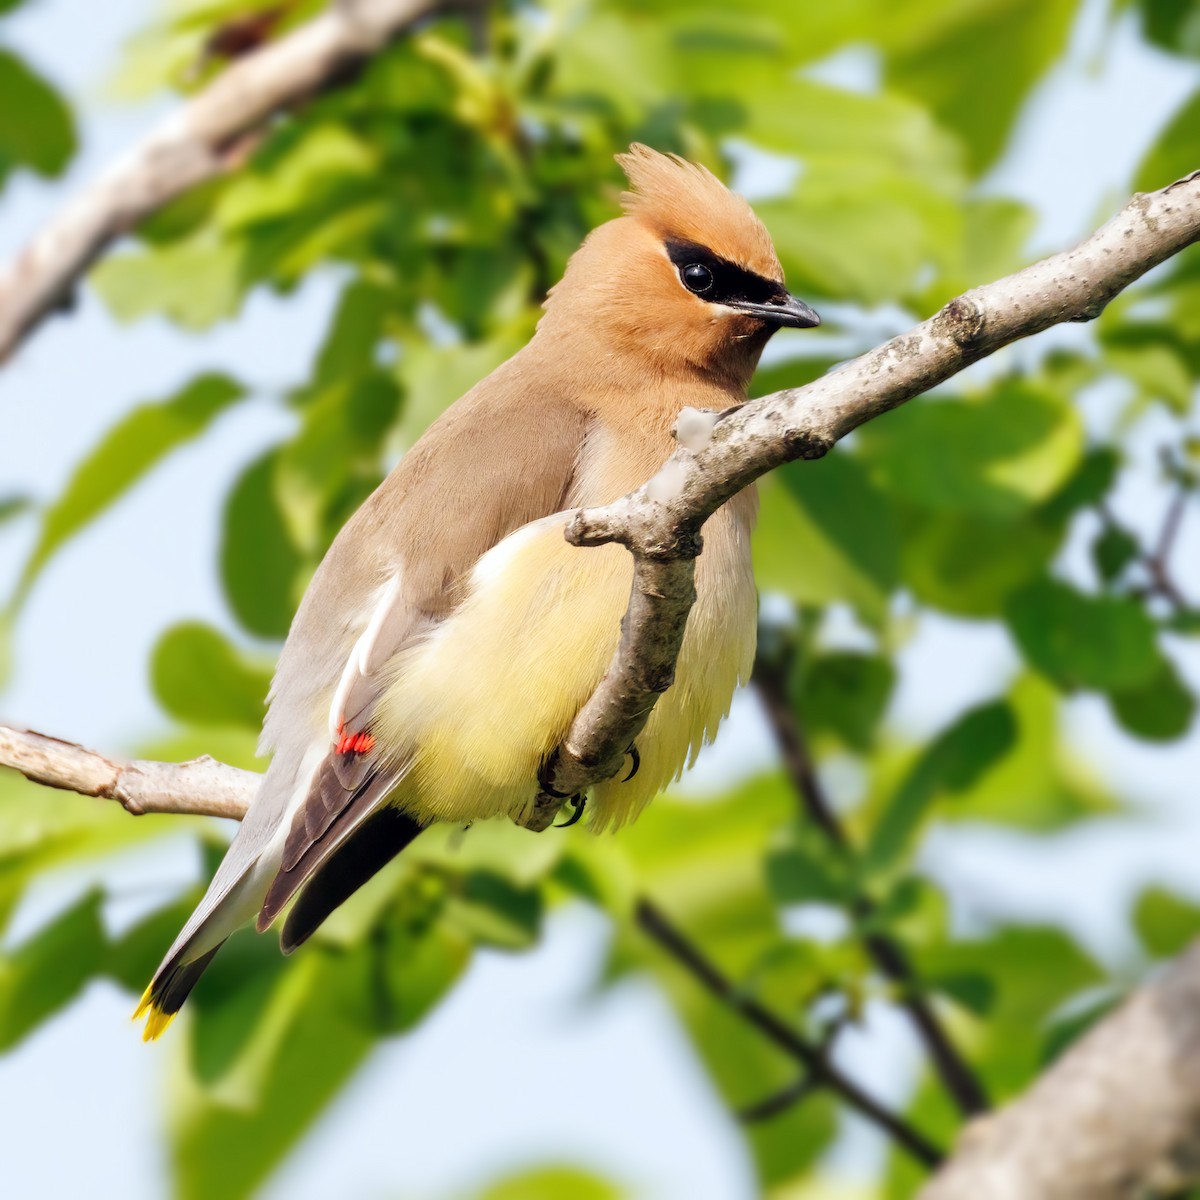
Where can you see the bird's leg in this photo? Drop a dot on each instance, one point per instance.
(632, 751)
(577, 802)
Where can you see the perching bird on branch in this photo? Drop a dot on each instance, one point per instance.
(452, 634)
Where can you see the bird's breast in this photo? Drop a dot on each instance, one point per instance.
(481, 702)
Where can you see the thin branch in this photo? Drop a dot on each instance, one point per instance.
(199, 142)
(655, 923)
(747, 442)
(779, 1102)
(771, 684)
(1157, 563)
(1115, 1117)
(959, 1080)
(203, 787)
(660, 524)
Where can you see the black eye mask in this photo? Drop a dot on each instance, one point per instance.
(719, 281)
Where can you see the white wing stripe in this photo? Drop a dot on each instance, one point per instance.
(359, 662)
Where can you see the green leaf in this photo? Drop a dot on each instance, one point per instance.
(974, 990)
(803, 867)
(973, 66)
(49, 969)
(36, 838)
(199, 677)
(195, 282)
(303, 1037)
(417, 970)
(38, 130)
(953, 763)
(319, 164)
(845, 694)
(350, 344)
(1177, 151)
(123, 456)
(1156, 358)
(1033, 971)
(826, 534)
(1067, 1027)
(1091, 481)
(1113, 550)
(1166, 924)
(133, 957)
(1037, 786)
(14, 506)
(552, 1183)
(1080, 641)
(260, 567)
(996, 455)
(1172, 24)
(1161, 709)
(336, 459)
(970, 565)
(496, 912)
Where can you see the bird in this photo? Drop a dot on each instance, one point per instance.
(451, 633)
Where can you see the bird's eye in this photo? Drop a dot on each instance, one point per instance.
(697, 277)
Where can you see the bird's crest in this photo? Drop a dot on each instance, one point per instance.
(684, 201)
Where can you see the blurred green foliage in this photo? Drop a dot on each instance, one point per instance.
(445, 185)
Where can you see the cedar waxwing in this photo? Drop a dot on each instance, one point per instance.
(452, 634)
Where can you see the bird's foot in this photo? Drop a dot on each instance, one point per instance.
(577, 802)
(632, 752)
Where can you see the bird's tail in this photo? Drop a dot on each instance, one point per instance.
(232, 898)
(170, 987)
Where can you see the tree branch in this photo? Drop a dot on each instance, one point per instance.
(655, 924)
(203, 787)
(956, 1075)
(195, 144)
(1117, 1117)
(1155, 1039)
(206, 787)
(660, 522)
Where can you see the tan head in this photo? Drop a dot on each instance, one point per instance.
(686, 281)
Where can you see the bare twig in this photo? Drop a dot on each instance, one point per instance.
(779, 1102)
(1157, 563)
(1116, 1117)
(197, 143)
(205, 787)
(960, 1081)
(656, 925)
(202, 787)
(1159, 1030)
(664, 537)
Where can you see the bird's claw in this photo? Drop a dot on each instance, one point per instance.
(632, 751)
(577, 802)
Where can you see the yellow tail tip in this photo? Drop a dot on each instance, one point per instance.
(156, 1019)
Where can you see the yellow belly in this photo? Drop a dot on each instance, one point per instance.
(480, 703)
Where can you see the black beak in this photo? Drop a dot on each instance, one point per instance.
(785, 311)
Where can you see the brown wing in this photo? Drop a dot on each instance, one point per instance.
(501, 457)
(331, 815)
